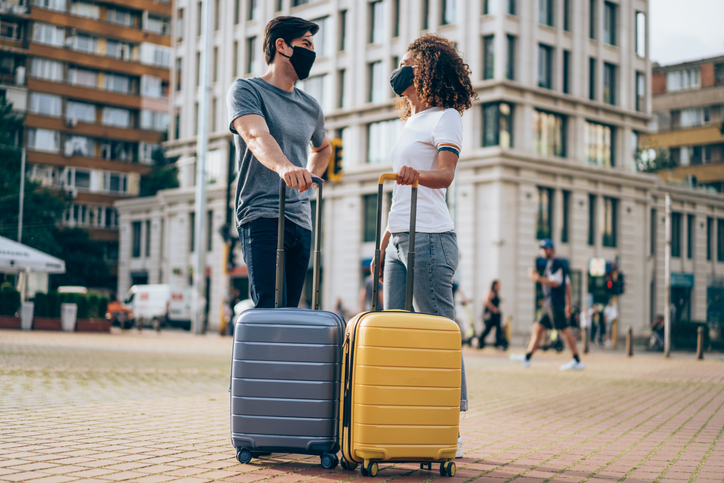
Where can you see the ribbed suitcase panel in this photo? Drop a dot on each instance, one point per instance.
(285, 380)
(407, 376)
(406, 415)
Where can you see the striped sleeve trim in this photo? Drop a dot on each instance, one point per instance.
(448, 147)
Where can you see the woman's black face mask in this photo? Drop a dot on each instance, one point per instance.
(402, 78)
(302, 60)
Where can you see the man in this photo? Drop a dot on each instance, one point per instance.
(610, 313)
(274, 124)
(556, 308)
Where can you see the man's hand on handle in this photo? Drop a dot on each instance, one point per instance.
(297, 178)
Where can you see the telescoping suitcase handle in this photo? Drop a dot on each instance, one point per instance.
(411, 247)
(278, 291)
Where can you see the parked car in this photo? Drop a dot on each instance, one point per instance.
(119, 315)
(159, 305)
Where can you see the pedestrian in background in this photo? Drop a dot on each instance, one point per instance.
(610, 313)
(492, 317)
(365, 295)
(434, 86)
(274, 124)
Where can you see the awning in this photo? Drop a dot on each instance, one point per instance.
(16, 257)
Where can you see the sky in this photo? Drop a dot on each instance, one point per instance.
(683, 30)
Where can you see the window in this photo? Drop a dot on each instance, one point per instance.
(682, 79)
(654, 229)
(44, 140)
(81, 111)
(676, 235)
(237, 11)
(198, 69)
(376, 10)
(177, 123)
(566, 72)
(115, 183)
(488, 57)
(510, 73)
(318, 87)
(609, 23)
(192, 231)
(369, 203)
(146, 151)
(179, 73)
(151, 86)
(641, 34)
(50, 4)
(592, 20)
(377, 82)
(566, 215)
(9, 29)
(591, 220)
(87, 10)
(709, 229)
(180, 25)
(425, 14)
(152, 54)
(118, 83)
(343, 30)
(156, 25)
(498, 125)
(118, 50)
(592, 79)
(117, 151)
(85, 43)
(544, 216)
(720, 240)
(490, 7)
(449, 12)
(640, 92)
(114, 116)
(598, 139)
(545, 12)
(136, 235)
(148, 238)
(323, 39)
(545, 59)
(235, 60)
(47, 69)
(45, 104)
(209, 231)
(691, 117)
(253, 13)
(549, 130)
(82, 179)
(251, 60)
(690, 235)
(609, 83)
(396, 18)
(79, 146)
(217, 15)
(381, 137)
(121, 17)
(110, 218)
(199, 14)
(154, 120)
(342, 101)
(719, 77)
(567, 15)
(511, 7)
(610, 207)
(215, 65)
(49, 34)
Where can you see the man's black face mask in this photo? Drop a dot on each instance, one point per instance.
(302, 60)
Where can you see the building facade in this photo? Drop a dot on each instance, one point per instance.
(548, 150)
(13, 52)
(688, 105)
(96, 74)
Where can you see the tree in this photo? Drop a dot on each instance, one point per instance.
(85, 264)
(652, 160)
(41, 207)
(163, 176)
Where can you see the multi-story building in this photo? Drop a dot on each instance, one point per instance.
(688, 104)
(548, 148)
(13, 52)
(98, 75)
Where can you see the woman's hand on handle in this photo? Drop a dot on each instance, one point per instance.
(407, 176)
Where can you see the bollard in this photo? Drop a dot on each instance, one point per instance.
(584, 336)
(629, 342)
(700, 343)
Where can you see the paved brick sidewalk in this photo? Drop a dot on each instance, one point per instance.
(154, 408)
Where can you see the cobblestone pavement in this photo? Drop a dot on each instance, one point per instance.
(154, 408)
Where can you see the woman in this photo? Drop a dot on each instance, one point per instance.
(435, 89)
(491, 317)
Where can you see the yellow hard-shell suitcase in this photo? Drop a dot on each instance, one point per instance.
(401, 389)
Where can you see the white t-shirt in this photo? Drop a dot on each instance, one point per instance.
(610, 313)
(417, 147)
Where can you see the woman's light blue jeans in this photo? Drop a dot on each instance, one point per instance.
(436, 259)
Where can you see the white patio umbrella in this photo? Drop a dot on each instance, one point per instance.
(16, 257)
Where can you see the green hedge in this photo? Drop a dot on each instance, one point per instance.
(90, 306)
(9, 299)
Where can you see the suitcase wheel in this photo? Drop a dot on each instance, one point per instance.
(348, 465)
(425, 466)
(369, 469)
(329, 461)
(244, 456)
(448, 468)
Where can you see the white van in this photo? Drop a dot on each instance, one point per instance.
(158, 305)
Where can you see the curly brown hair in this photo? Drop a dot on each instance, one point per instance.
(442, 78)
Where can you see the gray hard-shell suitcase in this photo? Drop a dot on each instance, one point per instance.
(285, 372)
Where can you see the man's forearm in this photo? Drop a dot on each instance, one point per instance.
(267, 151)
(319, 160)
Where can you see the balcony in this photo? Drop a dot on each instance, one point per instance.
(56, 159)
(82, 93)
(14, 7)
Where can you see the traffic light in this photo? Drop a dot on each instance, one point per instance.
(620, 284)
(610, 284)
(334, 169)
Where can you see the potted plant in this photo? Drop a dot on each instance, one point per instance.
(9, 306)
(47, 311)
(91, 314)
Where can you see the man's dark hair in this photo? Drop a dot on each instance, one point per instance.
(287, 29)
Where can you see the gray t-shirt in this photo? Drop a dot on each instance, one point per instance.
(295, 120)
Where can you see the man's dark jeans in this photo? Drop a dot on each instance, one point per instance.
(259, 246)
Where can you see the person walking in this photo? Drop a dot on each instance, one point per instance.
(556, 308)
(274, 124)
(492, 318)
(610, 313)
(434, 86)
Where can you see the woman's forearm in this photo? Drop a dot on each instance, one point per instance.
(438, 179)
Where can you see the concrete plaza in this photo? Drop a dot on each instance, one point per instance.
(151, 407)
